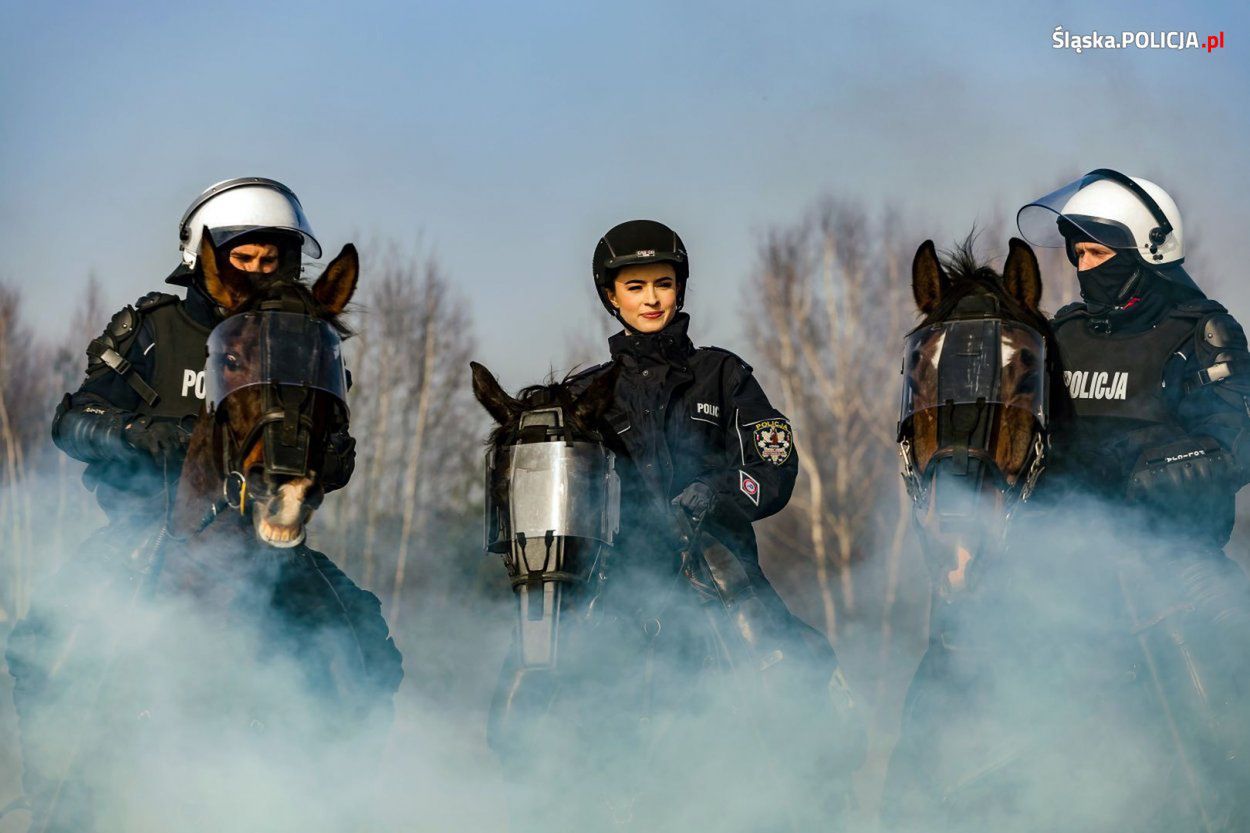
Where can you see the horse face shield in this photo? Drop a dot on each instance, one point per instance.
(289, 357)
(970, 386)
(544, 494)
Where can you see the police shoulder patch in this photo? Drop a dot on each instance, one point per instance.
(774, 440)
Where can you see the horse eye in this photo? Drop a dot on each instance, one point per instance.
(231, 361)
(1028, 358)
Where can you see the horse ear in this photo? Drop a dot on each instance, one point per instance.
(229, 287)
(1022, 277)
(337, 283)
(598, 396)
(502, 407)
(928, 281)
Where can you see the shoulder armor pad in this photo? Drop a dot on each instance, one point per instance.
(1221, 330)
(155, 299)
(1198, 308)
(1070, 311)
(123, 325)
(730, 354)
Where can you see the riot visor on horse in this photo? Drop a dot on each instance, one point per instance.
(973, 425)
(276, 388)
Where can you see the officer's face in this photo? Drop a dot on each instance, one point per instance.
(255, 257)
(646, 295)
(1089, 255)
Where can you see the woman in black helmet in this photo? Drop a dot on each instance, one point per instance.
(707, 444)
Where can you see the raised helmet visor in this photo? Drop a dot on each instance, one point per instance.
(1108, 208)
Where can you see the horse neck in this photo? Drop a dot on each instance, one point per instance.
(200, 486)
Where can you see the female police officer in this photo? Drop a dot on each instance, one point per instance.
(707, 444)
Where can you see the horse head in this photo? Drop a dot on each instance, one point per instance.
(275, 391)
(553, 501)
(974, 426)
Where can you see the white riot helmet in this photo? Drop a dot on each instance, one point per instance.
(1127, 214)
(240, 206)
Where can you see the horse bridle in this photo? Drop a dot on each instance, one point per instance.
(285, 425)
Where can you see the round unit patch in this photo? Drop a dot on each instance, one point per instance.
(774, 440)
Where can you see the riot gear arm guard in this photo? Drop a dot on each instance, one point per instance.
(1216, 389)
(1179, 476)
(92, 432)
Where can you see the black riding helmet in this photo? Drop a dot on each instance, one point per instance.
(635, 242)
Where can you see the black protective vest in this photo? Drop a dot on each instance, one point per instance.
(1122, 375)
(180, 348)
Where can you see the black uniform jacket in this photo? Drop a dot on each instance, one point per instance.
(687, 414)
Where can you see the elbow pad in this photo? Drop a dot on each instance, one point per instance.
(92, 433)
(1221, 353)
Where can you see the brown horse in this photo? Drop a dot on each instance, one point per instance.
(189, 627)
(1027, 696)
(229, 439)
(982, 394)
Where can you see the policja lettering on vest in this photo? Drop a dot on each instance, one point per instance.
(1096, 384)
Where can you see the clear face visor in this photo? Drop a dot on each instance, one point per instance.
(273, 348)
(556, 488)
(981, 360)
(1044, 222)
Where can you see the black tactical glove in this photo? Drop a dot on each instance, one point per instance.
(1181, 474)
(340, 460)
(696, 500)
(160, 438)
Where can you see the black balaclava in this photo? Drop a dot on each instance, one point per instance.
(1111, 283)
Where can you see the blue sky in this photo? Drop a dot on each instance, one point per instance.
(507, 137)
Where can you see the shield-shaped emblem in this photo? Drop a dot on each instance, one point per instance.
(774, 440)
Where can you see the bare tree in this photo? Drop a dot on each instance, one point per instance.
(418, 430)
(838, 306)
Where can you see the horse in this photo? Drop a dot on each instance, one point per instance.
(628, 671)
(221, 647)
(1040, 702)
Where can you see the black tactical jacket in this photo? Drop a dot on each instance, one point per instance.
(687, 414)
(1176, 375)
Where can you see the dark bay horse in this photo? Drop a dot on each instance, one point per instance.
(631, 700)
(220, 655)
(1040, 703)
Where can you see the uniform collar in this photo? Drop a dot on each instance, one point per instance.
(1140, 313)
(200, 307)
(670, 345)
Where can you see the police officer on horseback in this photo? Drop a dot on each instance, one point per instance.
(711, 450)
(1159, 374)
(130, 420)
(1159, 378)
